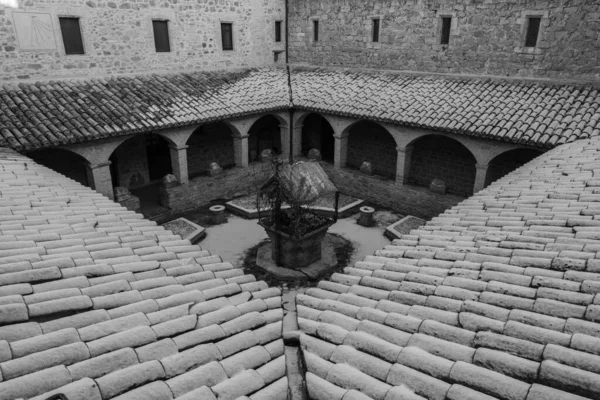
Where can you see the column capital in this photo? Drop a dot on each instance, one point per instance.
(176, 147)
(340, 136)
(99, 165)
(482, 166)
(240, 137)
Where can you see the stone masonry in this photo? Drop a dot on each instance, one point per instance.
(486, 37)
(118, 37)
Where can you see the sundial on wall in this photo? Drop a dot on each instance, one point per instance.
(34, 31)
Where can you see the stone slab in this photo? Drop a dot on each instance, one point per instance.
(186, 229)
(403, 227)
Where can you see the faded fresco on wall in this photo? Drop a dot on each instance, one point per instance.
(34, 31)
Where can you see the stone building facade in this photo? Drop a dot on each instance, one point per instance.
(118, 37)
(485, 37)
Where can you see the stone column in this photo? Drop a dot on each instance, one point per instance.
(403, 164)
(297, 139)
(284, 135)
(99, 178)
(480, 175)
(340, 150)
(240, 150)
(179, 163)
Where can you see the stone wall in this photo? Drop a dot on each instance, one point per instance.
(229, 184)
(118, 36)
(317, 134)
(209, 143)
(264, 134)
(129, 163)
(62, 161)
(439, 157)
(508, 162)
(486, 37)
(405, 199)
(370, 142)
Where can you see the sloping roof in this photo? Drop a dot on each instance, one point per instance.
(532, 113)
(93, 295)
(69, 111)
(45, 114)
(498, 297)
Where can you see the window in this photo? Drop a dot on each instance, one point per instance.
(278, 31)
(227, 35)
(161, 36)
(376, 24)
(533, 30)
(446, 25)
(71, 33)
(316, 30)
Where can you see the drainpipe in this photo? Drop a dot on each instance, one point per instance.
(287, 32)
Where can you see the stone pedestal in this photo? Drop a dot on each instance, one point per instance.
(126, 199)
(328, 261)
(100, 179)
(366, 168)
(217, 214)
(214, 169)
(314, 154)
(438, 186)
(366, 216)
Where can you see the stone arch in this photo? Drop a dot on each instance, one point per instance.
(369, 141)
(265, 133)
(436, 156)
(317, 133)
(64, 161)
(211, 142)
(140, 160)
(508, 161)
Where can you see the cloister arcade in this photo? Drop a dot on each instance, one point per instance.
(400, 154)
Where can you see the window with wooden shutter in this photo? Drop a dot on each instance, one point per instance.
(376, 27)
(445, 34)
(227, 35)
(533, 30)
(161, 36)
(278, 31)
(71, 34)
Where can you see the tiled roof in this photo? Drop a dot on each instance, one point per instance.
(498, 297)
(532, 113)
(99, 303)
(56, 113)
(61, 112)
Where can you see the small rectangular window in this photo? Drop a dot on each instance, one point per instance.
(376, 24)
(533, 29)
(227, 35)
(316, 30)
(446, 25)
(161, 36)
(278, 31)
(71, 33)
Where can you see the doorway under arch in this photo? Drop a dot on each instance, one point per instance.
(507, 162)
(264, 134)
(317, 133)
(440, 157)
(65, 162)
(369, 141)
(210, 143)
